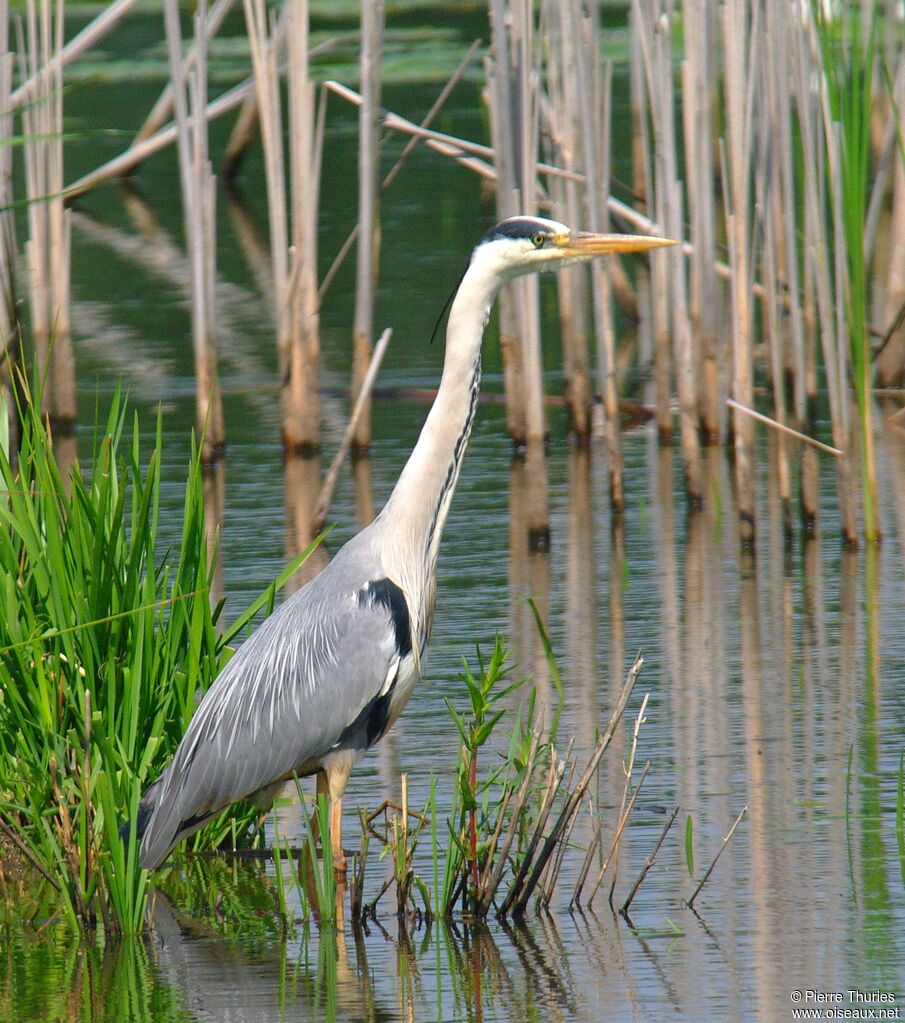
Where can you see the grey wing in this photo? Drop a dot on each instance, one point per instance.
(288, 696)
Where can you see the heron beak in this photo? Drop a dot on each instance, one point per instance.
(584, 243)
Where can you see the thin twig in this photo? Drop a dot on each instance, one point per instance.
(782, 427)
(629, 770)
(367, 385)
(620, 827)
(690, 902)
(28, 854)
(437, 105)
(648, 863)
(586, 865)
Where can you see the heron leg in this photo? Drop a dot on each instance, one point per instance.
(336, 771)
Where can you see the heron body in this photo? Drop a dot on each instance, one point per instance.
(326, 675)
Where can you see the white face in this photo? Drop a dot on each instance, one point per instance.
(531, 247)
(523, 245)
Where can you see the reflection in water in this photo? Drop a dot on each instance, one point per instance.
(529, 576)
(301, 485)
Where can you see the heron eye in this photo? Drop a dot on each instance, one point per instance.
(537, 240)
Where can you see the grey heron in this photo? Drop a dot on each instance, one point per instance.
(326, 675)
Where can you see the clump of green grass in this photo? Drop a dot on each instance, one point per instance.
(104, 643)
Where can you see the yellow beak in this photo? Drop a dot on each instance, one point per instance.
(584, 243)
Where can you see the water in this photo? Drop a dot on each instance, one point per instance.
(773, 683)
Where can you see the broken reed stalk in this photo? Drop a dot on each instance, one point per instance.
(356, 889)
(573, 799)
(686, 369)
(121, 165)
(368, 251)
(670, 271)
(508, 119)
(620, 827)
(323, 500)
(653, 54)
(648, 863)
(629, 769)
(709, 871)
(775, 341)
(597, 82)
(529, 871)
(292, 216)
(593, 846)
(198, 203)
(492, 872)
(554, 866)
(783, 214)
(819, 271)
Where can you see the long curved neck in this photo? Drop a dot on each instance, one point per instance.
(417, 508)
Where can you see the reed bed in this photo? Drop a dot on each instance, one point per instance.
(765, 138)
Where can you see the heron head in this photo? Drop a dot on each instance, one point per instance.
(522, 245)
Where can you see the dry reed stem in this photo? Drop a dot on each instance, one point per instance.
(820, 269)
(551, 875)
(597, 168)
(628, 770)
(523, 884)
(725, 842)
(741, 62)
(648, 863)
(198, 201)
(300, 399)
(573, 800)
(368, 250)
(593, 845)
(322, 505)
(620, 827)
(783, 428)
(698, 85)
(562, 137)
(47, 249)
(491, 878)
(657, 76)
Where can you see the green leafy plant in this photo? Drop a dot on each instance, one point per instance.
(104, 644)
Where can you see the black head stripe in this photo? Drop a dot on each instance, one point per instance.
(516, 227)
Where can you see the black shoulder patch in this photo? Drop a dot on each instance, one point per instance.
(390, 596)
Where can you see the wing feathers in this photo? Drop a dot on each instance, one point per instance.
(295, 690)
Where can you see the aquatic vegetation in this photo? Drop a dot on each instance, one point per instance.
(105, 640)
